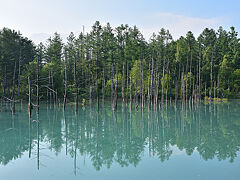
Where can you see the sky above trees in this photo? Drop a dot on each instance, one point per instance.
(39, 19)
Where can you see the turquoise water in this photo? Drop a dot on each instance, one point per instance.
(190, 142)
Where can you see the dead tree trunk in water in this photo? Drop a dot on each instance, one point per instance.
(19, 74)
(29, 98)
(156, 90)
(65, 91)
(115, 93)
(176, 91)
(112, 95)
(149, 82)
(131, 88)
(191, 84)
(205, 90)
(211, 76)
(127, 84)
(76, 84)
(151, 89)
(97, 89)
(5, 81)
(37, 82)
(104, 84)
(163, 83)
(130, 107)
(13, 92)
(156, 83)
(49, 92)
(178, 79)
(183, 89)
(123, 84)
(136, 97)
(199, 74)
(97, 93)
(214, 96)
(52, 87)
(218, 87)
(142, 80)
(168, 72)
(90, 94)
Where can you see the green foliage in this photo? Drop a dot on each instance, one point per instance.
(109, 85)
(189, 78)
(225, 71)
(135, 71)
(84, 61)
(236, 78)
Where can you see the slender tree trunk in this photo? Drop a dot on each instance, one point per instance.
(190, 60)
(163, 83)
(151, 89)
(5, 81)
(127, 84)
(190, 85)
(49, 92)
(149, 82)
(140, 77)
(131, 88)
(205, 90)
(228, 86)
(97, 93)
(218, 88)
(142, 80)
(214, 90)
(170, 87)
(183, 88)
(116, 93)
(211, 76)
(113, 94)
(199, 74)
(186, 86)
(13, 92)
(156, 83)
(177, 84)
(90, 94)
(97, 90)
(54, 98)
(176, 92)
(104, 84)
(157, 88)
(76, 84)
(136, 97)
(193, 92)
(168, 71)
(29, 98)
(123, 83)
(196, 83)
(66, 84)
(19, 74)
(37, 83)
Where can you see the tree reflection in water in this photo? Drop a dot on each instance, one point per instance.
(123, 136)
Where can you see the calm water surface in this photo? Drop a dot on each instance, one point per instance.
(192, 142)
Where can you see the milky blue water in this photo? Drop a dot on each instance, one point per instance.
(182, 142)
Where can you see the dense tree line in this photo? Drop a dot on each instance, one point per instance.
(118, 63)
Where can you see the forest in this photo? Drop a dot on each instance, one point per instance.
(119, 64)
